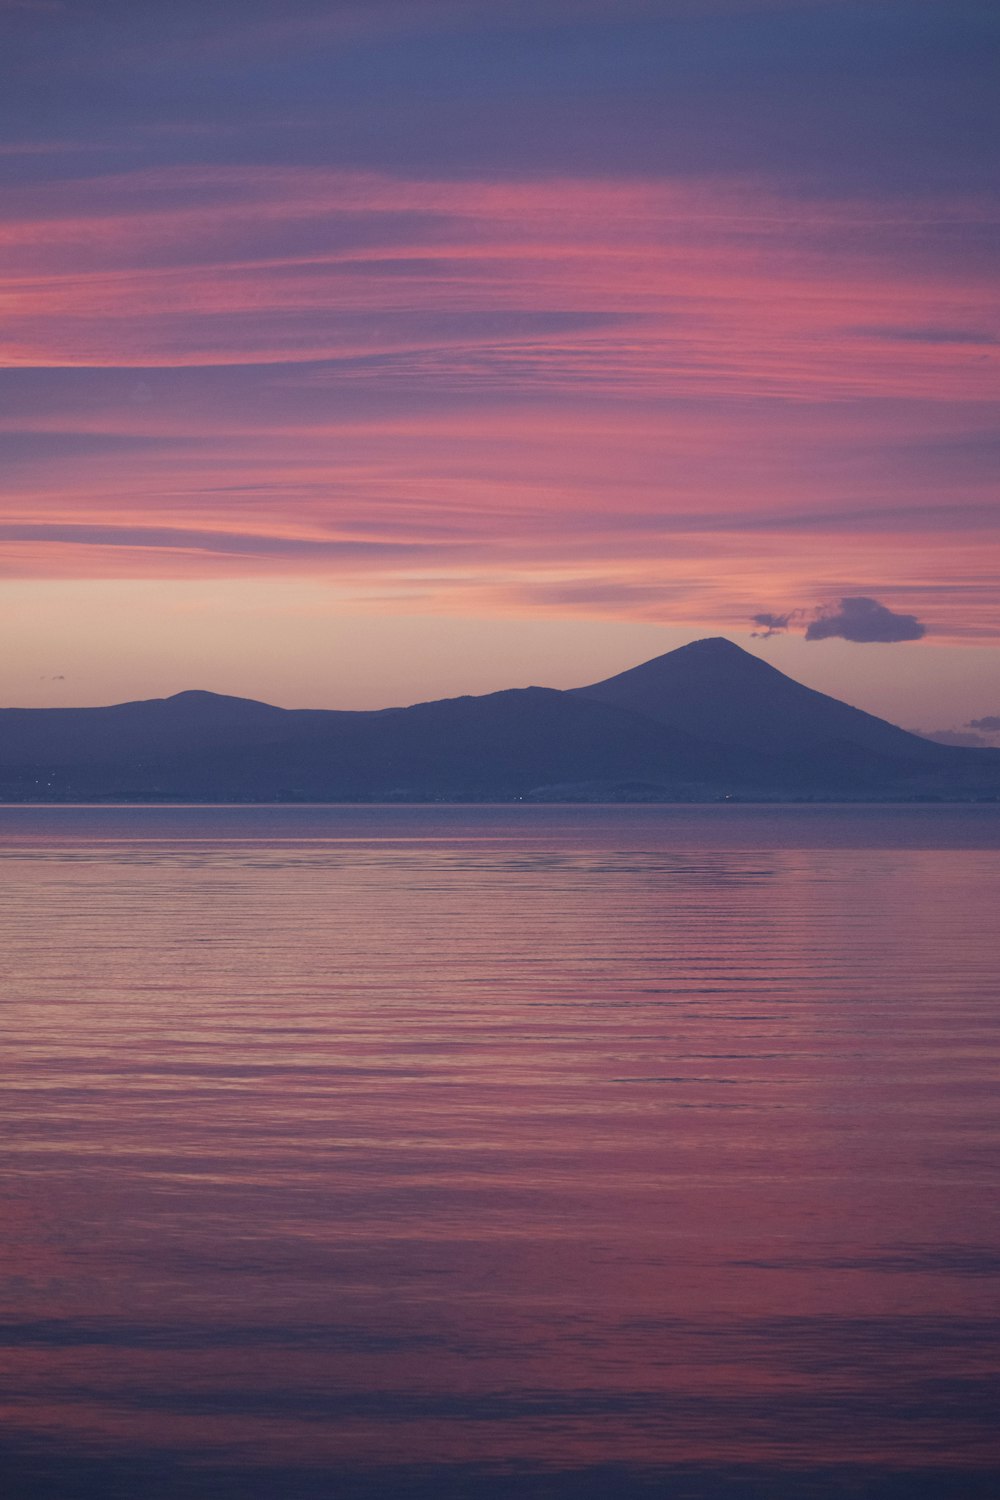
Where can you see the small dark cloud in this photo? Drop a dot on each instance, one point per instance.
(852, 618)
(990, 724)
(858, 618)
(772, 624)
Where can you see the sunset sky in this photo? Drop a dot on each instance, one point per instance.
(366, 351)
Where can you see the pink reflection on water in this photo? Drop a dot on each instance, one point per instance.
(575, 1141)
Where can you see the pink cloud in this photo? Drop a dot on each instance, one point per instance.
(709, 286)
(677, 401)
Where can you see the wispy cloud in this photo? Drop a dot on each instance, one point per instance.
(221, 544)
(903, 334)
(644, 288)
(770, 624)
(466, 341)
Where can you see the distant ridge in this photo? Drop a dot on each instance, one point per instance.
(704, 722)
(152, 726)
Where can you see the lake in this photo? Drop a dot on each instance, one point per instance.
(500, 1151)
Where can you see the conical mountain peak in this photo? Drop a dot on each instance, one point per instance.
(716, 690)
(710, 645)
(711, 652)
(712, 649)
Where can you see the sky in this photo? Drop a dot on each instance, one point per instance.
(363, 353)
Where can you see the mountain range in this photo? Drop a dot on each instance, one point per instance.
(705, 722)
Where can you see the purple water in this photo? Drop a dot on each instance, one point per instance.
(500, 1152)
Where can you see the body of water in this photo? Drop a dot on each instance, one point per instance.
(515, 1151)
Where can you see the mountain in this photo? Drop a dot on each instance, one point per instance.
(156, 726)
(720, 692)
(703, 722)
(502, 745)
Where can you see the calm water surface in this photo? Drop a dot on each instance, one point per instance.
(500, 1152)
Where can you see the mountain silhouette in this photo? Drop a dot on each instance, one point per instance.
(717, 691)
(706, 721)
(155, 726)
